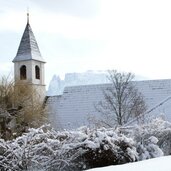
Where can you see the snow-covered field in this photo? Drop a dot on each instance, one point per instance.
(157, 164)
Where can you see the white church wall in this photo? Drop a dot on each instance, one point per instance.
(41, 67)
(17, 67)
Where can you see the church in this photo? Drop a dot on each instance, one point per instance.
(76, 105)
(29, 64)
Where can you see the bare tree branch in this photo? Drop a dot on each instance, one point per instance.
(122, 100)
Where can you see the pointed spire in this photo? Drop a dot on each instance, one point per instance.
(27, 15)
(28, 48)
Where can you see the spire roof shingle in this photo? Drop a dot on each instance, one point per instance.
(28, 48)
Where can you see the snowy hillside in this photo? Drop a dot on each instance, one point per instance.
(57, 85)
(157, 164)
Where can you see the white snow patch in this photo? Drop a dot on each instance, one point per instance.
(157, 164)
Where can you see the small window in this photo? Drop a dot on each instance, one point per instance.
(23, 72)
(37, 72)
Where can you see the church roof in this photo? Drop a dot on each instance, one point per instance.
(28, 48)
(77, 104)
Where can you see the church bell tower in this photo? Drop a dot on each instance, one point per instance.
(28, 63)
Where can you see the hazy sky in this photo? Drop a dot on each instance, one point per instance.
(80, 35)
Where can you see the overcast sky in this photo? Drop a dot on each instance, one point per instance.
(80, 35)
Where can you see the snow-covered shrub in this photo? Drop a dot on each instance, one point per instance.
(161, 129)
(68, 150)
(158, 128)
(149, 149)
(32, 149)
(46, 149)
(101, 147)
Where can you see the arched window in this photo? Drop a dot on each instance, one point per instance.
(37, 72)
(23, 72)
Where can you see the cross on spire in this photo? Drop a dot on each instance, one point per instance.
(27, 15)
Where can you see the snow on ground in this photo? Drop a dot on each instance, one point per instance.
(157, 164)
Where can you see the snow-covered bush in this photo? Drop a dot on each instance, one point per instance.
(46, 149)
(158, 128)
(149, 149)
(101, 147)
(68, 150)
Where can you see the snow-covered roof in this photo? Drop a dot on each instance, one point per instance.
(28, 48)
(77, 104)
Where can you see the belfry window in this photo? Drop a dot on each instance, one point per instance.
(23, 72)
(37, 72)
